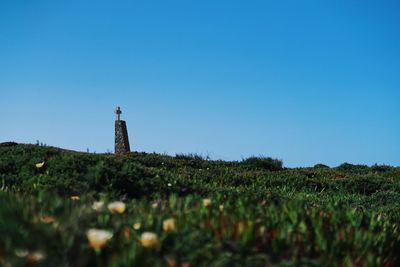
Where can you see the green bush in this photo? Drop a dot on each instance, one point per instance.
(265, 163)
(353, 169)
(321, 166)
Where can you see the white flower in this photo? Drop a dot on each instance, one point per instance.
(117, 207)
(39, 165)
(98, 238)
(169, 184)
(156, 204)
(97, 205)
(75, 198)
(136, 226)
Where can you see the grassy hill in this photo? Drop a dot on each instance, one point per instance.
(189, 211)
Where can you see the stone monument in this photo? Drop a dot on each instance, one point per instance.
(121, 134)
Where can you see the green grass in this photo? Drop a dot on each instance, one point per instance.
(261, 214)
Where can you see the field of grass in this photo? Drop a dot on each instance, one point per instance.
(63, 208)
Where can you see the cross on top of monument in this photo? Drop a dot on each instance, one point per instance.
(121, 144)
(118, 113)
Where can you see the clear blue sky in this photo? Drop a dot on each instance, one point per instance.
(303, 81)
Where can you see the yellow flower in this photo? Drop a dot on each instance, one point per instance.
(97, 205)
(149, 239)
(206, 202)
(117, 207)
(39, 165)
(221, 208)
(75, 198)
(169, 225)
(136, 226)
(98, 238)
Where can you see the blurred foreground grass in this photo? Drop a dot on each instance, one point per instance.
(192, 231)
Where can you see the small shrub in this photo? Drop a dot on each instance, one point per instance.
(8, 144)
(321, 166)
(353, 169)
(262, 162)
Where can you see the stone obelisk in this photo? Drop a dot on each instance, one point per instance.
(121, 134)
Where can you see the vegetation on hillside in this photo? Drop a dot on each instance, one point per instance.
(189, 211)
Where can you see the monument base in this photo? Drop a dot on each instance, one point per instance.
(121, 138)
